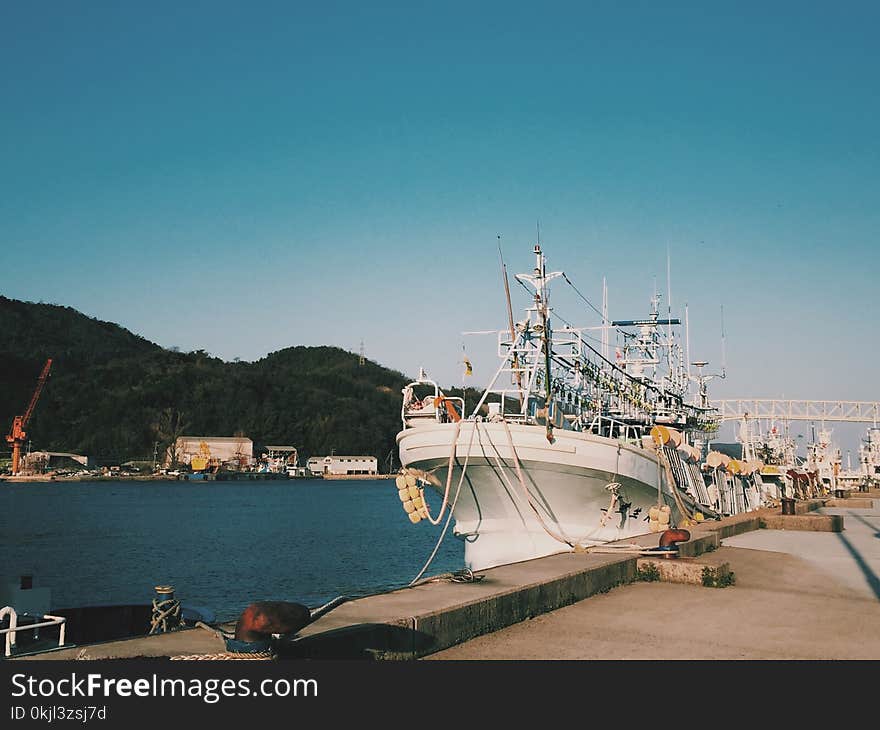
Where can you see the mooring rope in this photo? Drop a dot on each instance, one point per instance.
(467, 457)
(559, 538)
(563, 538)
(227, 655)
(427, 511)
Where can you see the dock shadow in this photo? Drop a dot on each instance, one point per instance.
(867, 524)
(870, 576)
(368, 642)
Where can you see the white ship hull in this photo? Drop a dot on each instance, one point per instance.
(567, 482)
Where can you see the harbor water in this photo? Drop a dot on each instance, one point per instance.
(222, 545)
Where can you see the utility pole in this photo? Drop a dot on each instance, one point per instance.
(389, 462)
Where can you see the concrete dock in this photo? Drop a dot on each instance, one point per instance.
(798, 595)
(805, 586)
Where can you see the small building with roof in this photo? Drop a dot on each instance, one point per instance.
(42, 461)
(342, 465)
(281, 459)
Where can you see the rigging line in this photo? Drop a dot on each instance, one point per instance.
(528, 291)
(619, 370)
(554, 313)
(588, 302)
(614, 366)
(565, 321)
(573, 328)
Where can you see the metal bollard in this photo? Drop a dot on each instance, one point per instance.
(166, 610)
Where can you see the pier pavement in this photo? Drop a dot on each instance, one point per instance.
(797, 595)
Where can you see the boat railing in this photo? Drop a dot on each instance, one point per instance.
(603, 425)
(433, 407)
(14, 628)
(508, 405)
(414, 408)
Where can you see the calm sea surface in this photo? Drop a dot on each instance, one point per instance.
(222, 545)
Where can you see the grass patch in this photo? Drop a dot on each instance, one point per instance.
(713, 579)
(649, 573)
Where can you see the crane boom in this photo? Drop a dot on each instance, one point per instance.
(36, 396)
(17, 435)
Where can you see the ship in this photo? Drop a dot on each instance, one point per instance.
(824, 461)
(782, 472)
(770, 450)
(869, 457)
(567, 447)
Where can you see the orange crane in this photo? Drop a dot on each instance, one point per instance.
(17, 435)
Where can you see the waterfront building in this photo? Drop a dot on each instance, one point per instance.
(342, 465)
(236, 451)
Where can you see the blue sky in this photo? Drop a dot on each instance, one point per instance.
(242, 177)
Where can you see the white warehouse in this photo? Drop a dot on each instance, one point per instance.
(342, 465)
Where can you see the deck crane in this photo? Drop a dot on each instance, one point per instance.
(17, 435)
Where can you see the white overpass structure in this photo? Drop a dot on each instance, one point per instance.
(799, 410)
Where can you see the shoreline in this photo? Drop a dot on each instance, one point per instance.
(51, 478)
(367, 477)
(239, 477)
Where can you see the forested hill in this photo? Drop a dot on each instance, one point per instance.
(112, 394)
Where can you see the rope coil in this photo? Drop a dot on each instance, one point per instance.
(226, 655)
(166, 615)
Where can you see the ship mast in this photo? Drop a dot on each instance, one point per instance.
(546, 336)
(539, 280)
